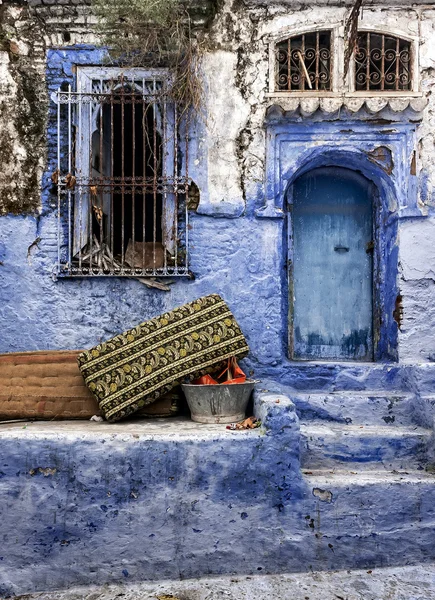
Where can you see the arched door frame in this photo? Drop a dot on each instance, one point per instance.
(386, 263)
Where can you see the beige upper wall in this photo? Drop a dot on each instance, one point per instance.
(339, 3)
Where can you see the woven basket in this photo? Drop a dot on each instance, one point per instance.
(48, 385)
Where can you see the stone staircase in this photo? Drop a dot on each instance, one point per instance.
(364, 457)
(361, 416)
(366, 448)
(361, 431)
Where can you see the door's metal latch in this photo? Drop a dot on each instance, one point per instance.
(341, 249)
(370, 246)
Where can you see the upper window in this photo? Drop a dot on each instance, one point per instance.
(303, 63)
(382, 63)
(122, 177)
(311, 63)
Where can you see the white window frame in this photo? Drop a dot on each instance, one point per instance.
(288, 32)
(85, 77)
(415, 80)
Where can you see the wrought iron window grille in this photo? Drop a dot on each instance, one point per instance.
(122, 177)
(382, 63)
(304, 63)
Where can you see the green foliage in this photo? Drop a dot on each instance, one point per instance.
(154, 33)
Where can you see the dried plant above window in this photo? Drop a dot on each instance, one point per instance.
(154, 34)
(382, 63)
(303, 63)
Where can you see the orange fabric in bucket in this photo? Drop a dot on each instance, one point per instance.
(205, 380)
(232, 374)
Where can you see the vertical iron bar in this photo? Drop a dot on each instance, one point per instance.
(111, 216)
(154, 173)
(101, 168)
(122, 173)
(133, 171)
(58, 180)
(289, 64)
(112, 251)
(186, 194)
(90, 178)
(165, 182)
(303, 59)
(79, 175)
(317, 58)
(331, 60)
(70, 171)
(368, 63)
(176, 180)
(397, 64)
(144, 137)
(383, 63)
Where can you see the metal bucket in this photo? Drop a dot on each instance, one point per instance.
(218, 403)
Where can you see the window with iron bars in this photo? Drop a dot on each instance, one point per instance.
(382, 63)
(303, 63)
(122, 176)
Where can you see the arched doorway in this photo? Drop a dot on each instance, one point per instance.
(332, 241)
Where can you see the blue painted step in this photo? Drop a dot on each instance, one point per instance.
(330, 377)
(384, 517)
(356, 447)
(363, 408)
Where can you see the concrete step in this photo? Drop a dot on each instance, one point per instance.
(395, 583)
(331, 445)
(383, 513)
(307, 376)
(362, 408)
(322, 376)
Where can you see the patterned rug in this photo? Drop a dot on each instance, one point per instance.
(137, 367)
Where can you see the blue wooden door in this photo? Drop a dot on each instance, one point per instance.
(332, 286)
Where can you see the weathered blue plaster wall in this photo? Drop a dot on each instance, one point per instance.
(38, 313)
(145, 502)
(240, 258)
(243, 258)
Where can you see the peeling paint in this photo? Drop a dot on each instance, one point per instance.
(323, 495)
(23, 111)
(46, 472)
(383, 157)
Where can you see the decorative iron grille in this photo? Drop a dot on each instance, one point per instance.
(122, 179)
(304, 63)
(382, 63)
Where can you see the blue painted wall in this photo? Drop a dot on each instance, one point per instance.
(243, 259)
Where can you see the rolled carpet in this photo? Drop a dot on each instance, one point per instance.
(137, 367)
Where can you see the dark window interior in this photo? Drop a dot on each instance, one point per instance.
(127, 155)
(137, 154)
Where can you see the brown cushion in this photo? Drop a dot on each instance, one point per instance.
(48, 385)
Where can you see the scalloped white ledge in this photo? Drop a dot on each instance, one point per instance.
(332, 104)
